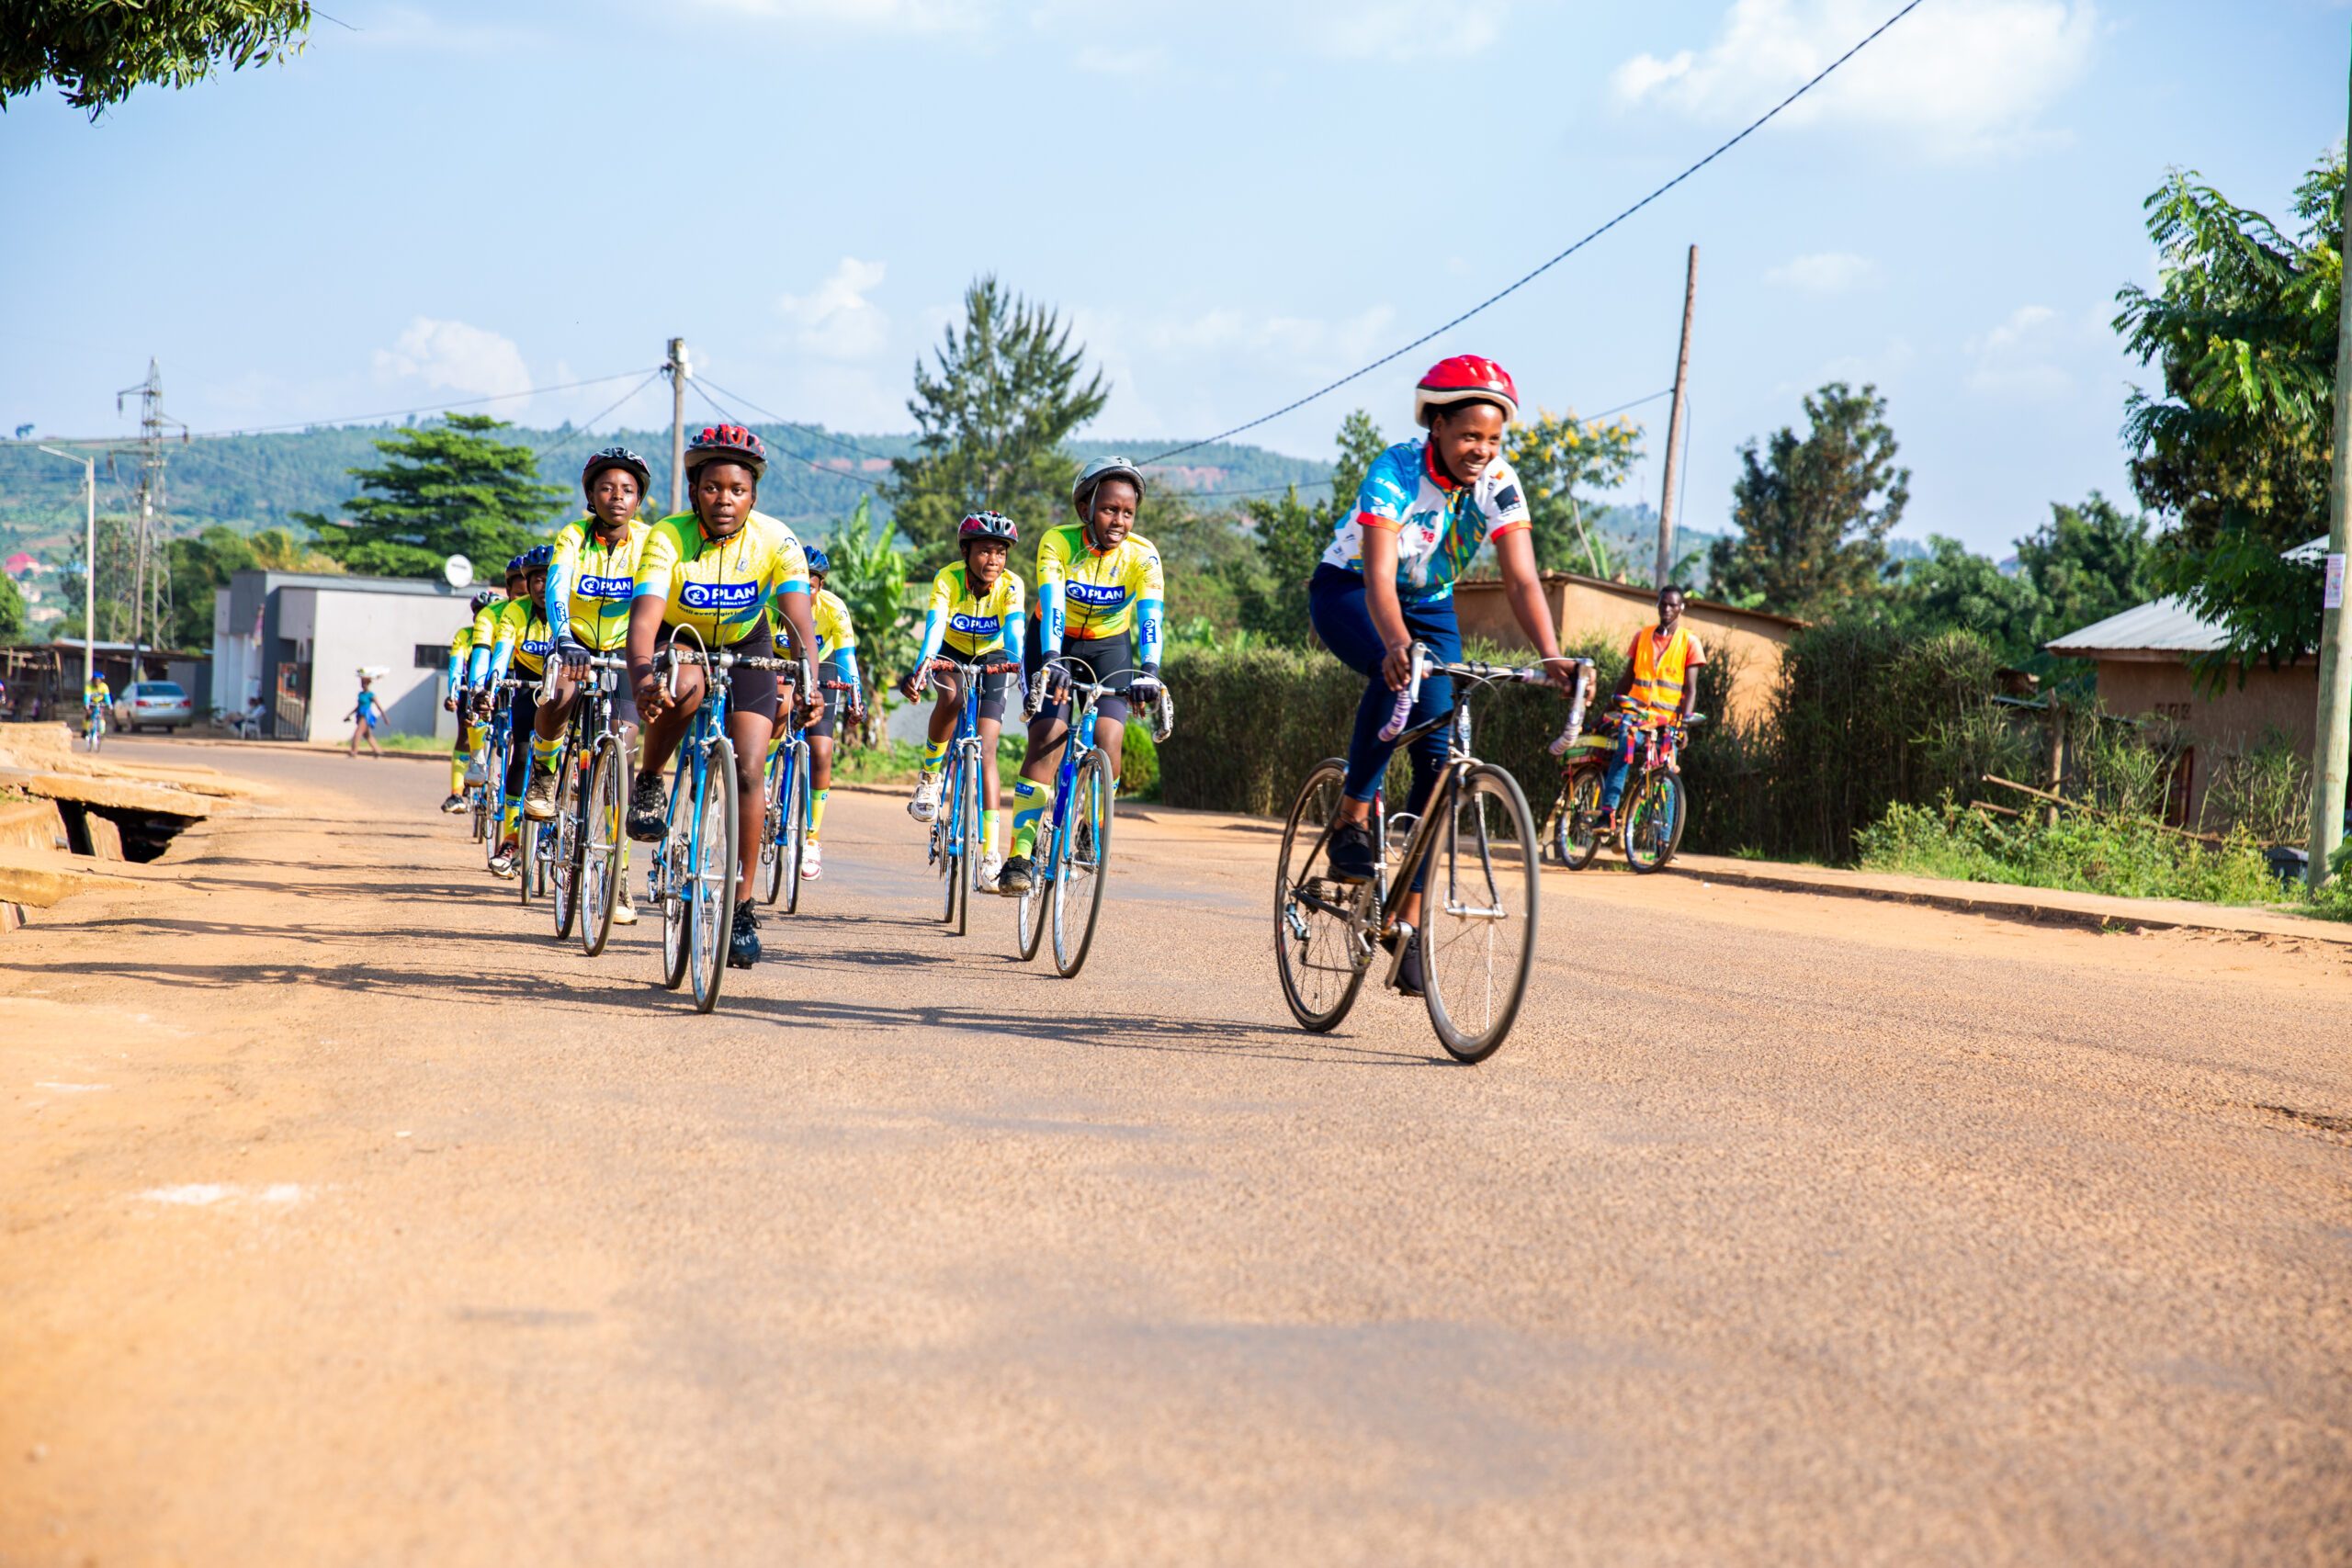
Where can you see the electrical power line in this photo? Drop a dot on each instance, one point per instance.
(732, 418)
(1751, 128)
(566, 437)
(817, 430)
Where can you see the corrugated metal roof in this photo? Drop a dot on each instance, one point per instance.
(2162, 625)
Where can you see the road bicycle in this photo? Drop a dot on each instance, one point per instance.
(1073, 848)
(94, 727)
(482, 795)
(955, 842)
(1654, 804)
(497, 747)
(691, 875)
(1474, 844)
(591, 807)
(783, 839)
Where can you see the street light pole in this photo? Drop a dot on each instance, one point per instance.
(89, 558)
(2333, 723)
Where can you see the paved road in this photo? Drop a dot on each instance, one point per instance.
(348, 1220)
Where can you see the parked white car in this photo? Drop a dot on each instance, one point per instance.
(160, 705)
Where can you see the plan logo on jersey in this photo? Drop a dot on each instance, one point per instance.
(538, 647)
(721, 596)
(974, 625)
(1097, 596)
(607, 587)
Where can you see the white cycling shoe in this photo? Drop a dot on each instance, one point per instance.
(812, 862)
(992, 868)
(925, 805)
(624, 907)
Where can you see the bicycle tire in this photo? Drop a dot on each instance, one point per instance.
(570, 808)
(714, 874)
(527, 842)
(767, 880)
(1499, 864)
(1083, 856)
(1648, 843)
(603, 831)
(673, 849)
(795, 825)
(1307, 926)
(1032, 911)
(966, 830)
(494, 788)
(1576, 832)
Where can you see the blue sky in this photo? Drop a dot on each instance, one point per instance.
(1234, 204)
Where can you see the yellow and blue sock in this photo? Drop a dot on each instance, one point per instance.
(1028, 811)
(934, 755)
(988, 833)
(543, 754)
(817, 812)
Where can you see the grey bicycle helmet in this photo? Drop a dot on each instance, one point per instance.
(1101, 469)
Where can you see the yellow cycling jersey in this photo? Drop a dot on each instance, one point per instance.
(829, 614)
(525, 624)
(461, 642)
(970, 623)
(485, 627)
(592, 584)
(1101, 590)
(719, 587)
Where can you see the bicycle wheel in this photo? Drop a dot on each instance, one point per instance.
(767, 876)
(1478, 912)
(1083, 860)
(669, 875)
(967, 839)
(946, 834)
(795, 825)
(494, 788)
(563, 871)
(1319, 951)
(1576, 824)
(710, 888)
(1655, 824)
(601, 809)
(1029, 914)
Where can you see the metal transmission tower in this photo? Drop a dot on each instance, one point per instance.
(151, 569)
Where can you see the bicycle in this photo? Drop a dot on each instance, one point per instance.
(955, 842)
(93, 726)
(1474, 841)
(1654, 804)
(691, 877)
(496, 747)
(590, 807)
(1074, 840)
(785, 832)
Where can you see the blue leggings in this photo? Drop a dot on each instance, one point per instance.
(1335, 602)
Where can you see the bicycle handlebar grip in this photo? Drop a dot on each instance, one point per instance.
(1575, 726)
(1406, 698)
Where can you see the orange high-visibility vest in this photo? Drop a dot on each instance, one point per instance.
(1658, 677)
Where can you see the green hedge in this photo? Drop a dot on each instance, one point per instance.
(1863, 717)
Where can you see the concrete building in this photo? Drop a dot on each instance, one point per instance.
(2142, 659)
(298, 640)
(1588, 607)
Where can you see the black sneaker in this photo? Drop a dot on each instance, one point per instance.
(1349, 856)
(743, 943)
(455, 806)
(1016, 877)
(1408, 973)
(647, 803)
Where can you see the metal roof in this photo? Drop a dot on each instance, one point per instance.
(2162, 625)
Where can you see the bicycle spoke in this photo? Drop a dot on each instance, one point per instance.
(1478, 915)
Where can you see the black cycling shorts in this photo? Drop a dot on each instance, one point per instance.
(522, 720)
(831, 669)
(1092, 659)
(754, 691)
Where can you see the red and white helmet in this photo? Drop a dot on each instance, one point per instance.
(1466, 378)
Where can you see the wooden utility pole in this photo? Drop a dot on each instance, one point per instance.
(1674, 427)
(2333, 733)
(677, 370)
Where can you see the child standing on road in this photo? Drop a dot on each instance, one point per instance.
(368, 712)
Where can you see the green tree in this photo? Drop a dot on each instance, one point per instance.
(1006, 392)
(1293, 535)
(870, 574)
(1555, 456)
(1956, 589)
(12, 610)
(2235, 448)
(204, 563)
(446, 489)
(98, 50)
(1813, 510)
(2087, 562)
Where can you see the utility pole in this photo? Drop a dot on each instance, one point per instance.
(1674, 426)
(89, 558)
(2331, 735)
(677, 369)
(150, 589)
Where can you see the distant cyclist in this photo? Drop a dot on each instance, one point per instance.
(96, 695)
(975, 615)
(1658, 689)
(461, 645)
(836, 659)
(522, 641)
(1386, 581)
(722, 569)
(1099, 595)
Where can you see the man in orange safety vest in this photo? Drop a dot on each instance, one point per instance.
(1660, 682)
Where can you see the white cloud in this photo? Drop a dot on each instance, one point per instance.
(1402, 32)
(1963, 76)
(837, 320)
(451, 356)
(1825, 272)
(2019, 360)
(1120, 62)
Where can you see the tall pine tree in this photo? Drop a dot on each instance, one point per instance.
(1814, 510)
(451, 489)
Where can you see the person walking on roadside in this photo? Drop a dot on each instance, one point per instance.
(367, 714)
